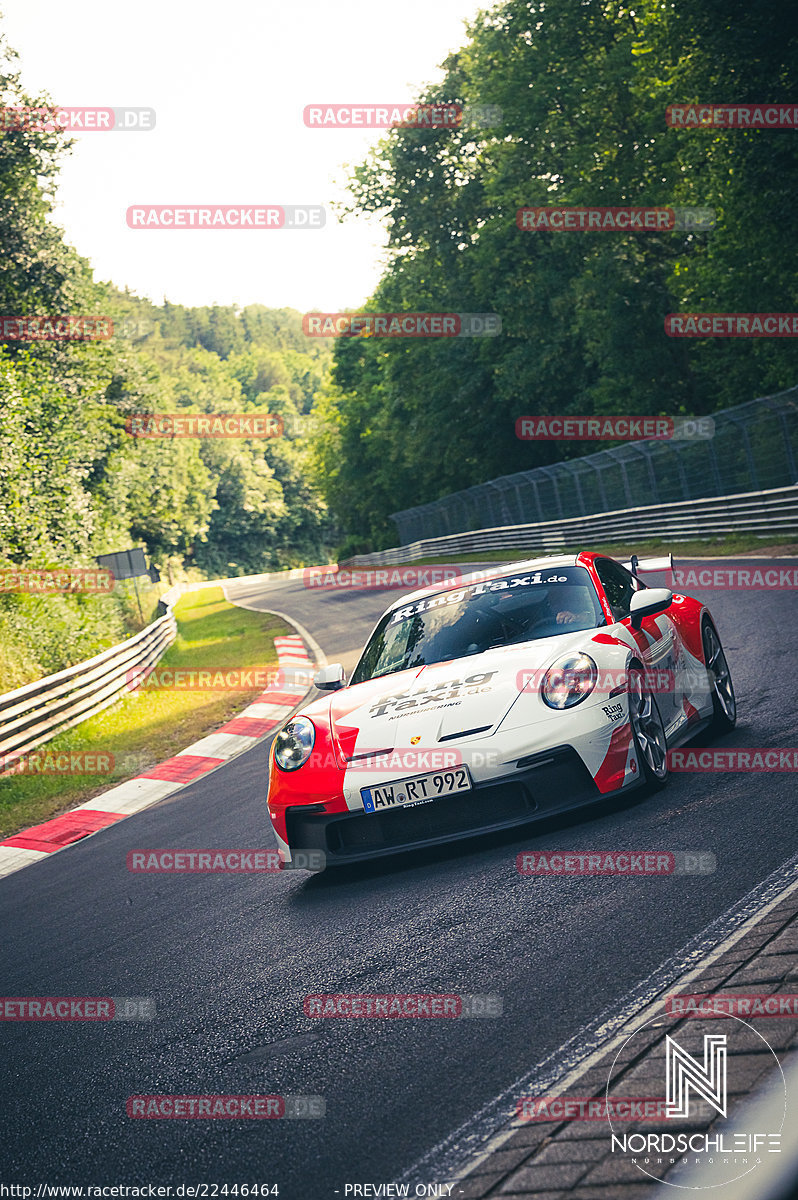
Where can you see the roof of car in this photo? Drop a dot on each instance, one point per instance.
(496, 572)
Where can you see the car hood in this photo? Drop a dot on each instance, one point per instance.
(427, 705)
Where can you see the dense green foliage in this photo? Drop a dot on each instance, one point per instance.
(74, 483)
(224, 505)
(583, 89)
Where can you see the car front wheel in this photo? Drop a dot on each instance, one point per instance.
(647, 730)
(724, 702)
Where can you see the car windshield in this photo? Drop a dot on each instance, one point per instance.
(467, 620)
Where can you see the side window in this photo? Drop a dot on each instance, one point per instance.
(618, 584)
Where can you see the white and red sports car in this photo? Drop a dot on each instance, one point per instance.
(507, 696)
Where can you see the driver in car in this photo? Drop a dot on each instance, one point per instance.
(559, 606)
(496, 620)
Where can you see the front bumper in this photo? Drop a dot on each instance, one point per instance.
(542, 784)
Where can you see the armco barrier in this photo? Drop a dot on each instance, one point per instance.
(754, 447)
(774, 512)
(38, 711)
(260, 718)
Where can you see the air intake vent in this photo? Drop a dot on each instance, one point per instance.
(370, 754)
(448, 737)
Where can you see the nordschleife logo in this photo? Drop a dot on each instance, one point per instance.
(683, 1074)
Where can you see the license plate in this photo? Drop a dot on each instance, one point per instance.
(420, 789)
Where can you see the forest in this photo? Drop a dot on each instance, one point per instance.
(574, 97)
(75, 484)
(581, 95)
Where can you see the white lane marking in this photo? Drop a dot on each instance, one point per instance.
(487, 1130)
(262, 712)
(12, 858)
(132, 795)
(218, 745)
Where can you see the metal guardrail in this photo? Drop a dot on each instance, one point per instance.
(772, 512)
(754, 448)
(38, 711)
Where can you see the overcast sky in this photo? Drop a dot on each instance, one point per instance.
(229, 83)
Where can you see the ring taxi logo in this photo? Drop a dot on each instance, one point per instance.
(444, 599)
(447, 689)
(707, 1143)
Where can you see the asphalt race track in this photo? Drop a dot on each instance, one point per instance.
(229, 958)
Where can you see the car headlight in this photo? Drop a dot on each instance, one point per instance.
(294, 743)
(569, 681)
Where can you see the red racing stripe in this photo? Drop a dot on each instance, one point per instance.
(611, 773)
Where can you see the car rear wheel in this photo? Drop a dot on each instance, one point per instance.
(724, 701)
(647, 730)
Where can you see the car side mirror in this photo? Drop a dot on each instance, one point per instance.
(647, 602)
(330, 678)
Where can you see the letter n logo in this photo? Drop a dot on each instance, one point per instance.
(684, 1072)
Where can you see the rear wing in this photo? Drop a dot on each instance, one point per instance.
(636, 565)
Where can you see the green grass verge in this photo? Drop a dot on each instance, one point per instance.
(152, 724)
(698, 548)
